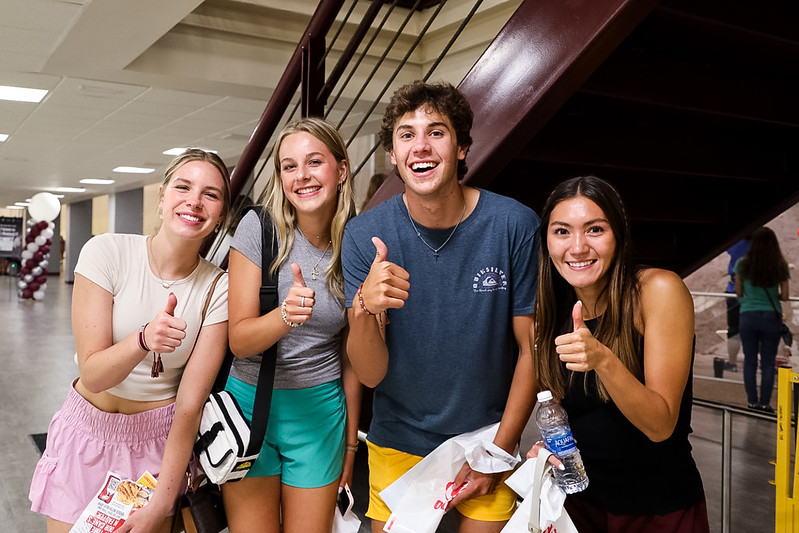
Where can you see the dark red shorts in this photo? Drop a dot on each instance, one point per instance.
(588, 518)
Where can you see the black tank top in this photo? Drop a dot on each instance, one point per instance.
(628, 473)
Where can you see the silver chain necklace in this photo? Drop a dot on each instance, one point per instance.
(315, 270)
(418, 233)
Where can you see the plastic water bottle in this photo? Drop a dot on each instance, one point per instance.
(553, 423)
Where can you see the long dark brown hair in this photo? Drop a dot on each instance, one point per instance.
(764, 265)
(556, 298)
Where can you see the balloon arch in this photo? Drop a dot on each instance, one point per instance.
(43, 209)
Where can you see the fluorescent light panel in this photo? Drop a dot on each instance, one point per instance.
(95, 181)
(14, 207)
(134, 170)
(3, 137)
(178, 151)
(21, 94)
(69, 189)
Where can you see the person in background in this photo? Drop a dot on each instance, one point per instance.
(437, 259)
(736, 251)
(374, 183)
(312, 434)
(761, 283)
(614, 343)
(146, 359)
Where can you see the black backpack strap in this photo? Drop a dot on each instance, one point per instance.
(269, 301)
(266, 375)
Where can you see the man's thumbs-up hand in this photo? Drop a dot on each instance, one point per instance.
(386, 286)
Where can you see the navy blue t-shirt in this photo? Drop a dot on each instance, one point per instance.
(451, 348)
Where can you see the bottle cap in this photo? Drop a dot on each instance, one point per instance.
(544, 396)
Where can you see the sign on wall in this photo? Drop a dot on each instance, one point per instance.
(11, 237)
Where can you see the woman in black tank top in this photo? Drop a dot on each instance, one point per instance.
(614, 343)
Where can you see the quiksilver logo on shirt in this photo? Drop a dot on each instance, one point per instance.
(489, 279)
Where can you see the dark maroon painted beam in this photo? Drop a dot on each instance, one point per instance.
(539, 59)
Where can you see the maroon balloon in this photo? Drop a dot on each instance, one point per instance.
(27, 293)
(24, 270)
(30, 263)
(45, 248)
(48, 242)
(34, 286)
(29, 238)
(43, 224)
(38, 256)
(44, 271)
(42, 279)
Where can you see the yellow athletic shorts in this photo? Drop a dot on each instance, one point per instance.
(386, 465)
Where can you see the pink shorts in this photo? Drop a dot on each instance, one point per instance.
(84, 443)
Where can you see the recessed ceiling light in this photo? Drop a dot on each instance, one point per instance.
(134, 170)
(69, 189)
(178, 151)
(94, 181)
(14, 207)
(21, 94)
(3, 137)
(23, 204)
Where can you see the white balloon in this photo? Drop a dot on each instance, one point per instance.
(51, 226)
(22, 285)
(33, 247)
(40, 239)
(36, 271)
(47, 233)
(28, 277)
(43, 263)
(44, 206)
(27, 254)
(43, 287)
(38, 295)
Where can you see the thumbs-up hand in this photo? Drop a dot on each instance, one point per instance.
(166, 331)
(386, 286)
(300, 299)
(579, 349)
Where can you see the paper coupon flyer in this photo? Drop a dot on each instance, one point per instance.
(116, 500)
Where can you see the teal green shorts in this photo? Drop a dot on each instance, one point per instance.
(304, 442)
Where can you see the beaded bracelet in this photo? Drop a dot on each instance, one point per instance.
(141, 341)
(360, 300)
(286, 318)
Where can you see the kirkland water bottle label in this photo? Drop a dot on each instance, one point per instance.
(562, 444)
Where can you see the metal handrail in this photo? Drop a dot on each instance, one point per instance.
(726, 450)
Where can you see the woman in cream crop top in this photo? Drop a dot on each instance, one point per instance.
(147, 358)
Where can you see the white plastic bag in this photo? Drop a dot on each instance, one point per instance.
(419, 498)
(344, 519)
(544, 499)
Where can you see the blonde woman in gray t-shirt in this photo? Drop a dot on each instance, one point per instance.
(312, 432)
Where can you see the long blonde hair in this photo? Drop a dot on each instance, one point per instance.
(284, 215)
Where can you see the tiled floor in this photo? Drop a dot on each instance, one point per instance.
(37, 368)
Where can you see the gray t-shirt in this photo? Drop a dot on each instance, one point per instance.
(308, 355)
